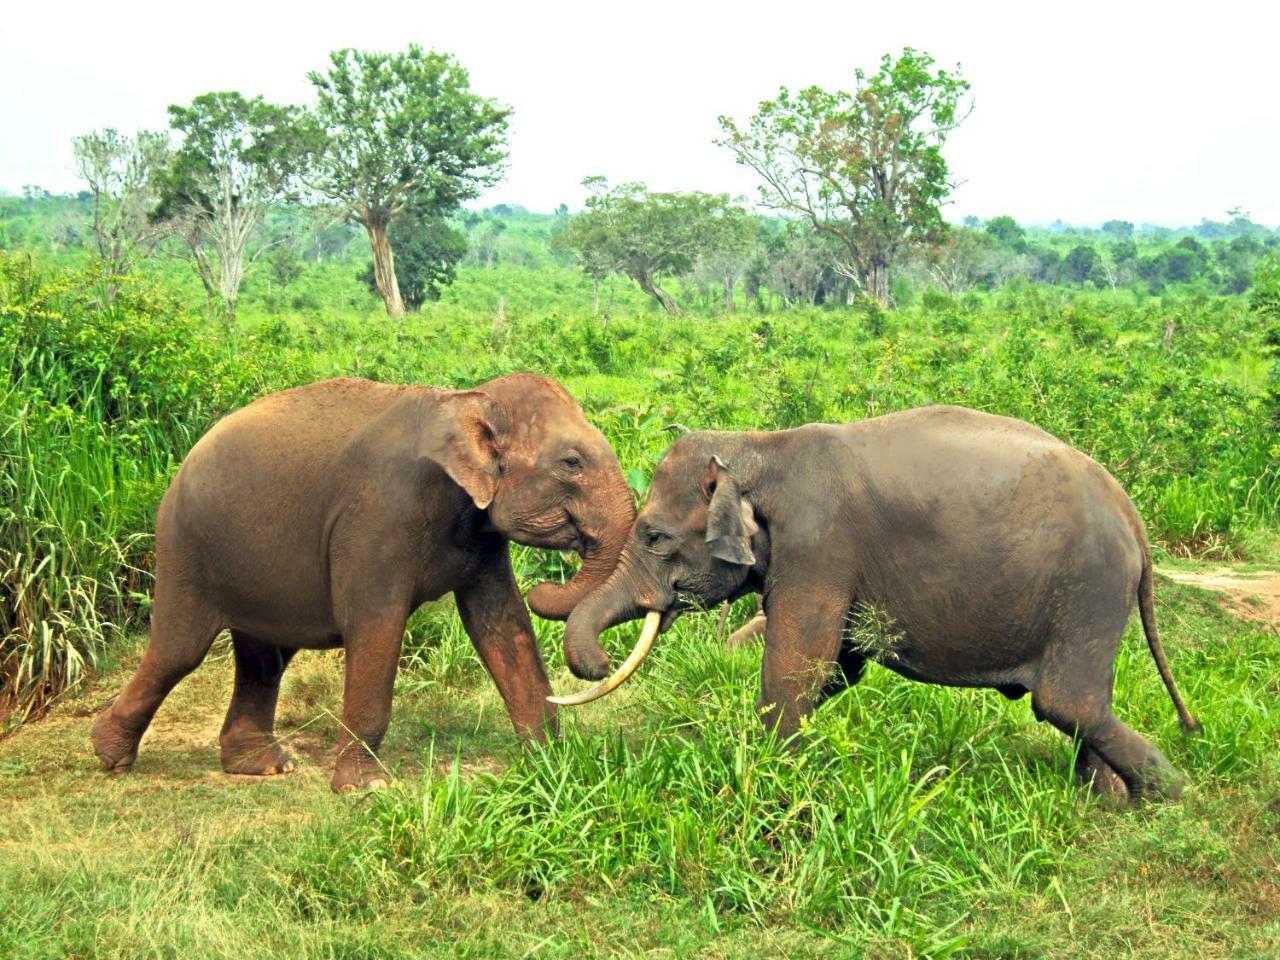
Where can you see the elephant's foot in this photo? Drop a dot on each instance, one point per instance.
(256, 758)
(1157, 782)
(1098, 775)
(352, 775)
(115, 746)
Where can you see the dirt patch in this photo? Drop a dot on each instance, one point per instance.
(1251, 596)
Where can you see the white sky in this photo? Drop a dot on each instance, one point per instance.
(1150, 112)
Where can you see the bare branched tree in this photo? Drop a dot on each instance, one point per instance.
(121, 174)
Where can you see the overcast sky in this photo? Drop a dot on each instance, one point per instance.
(1150, 112)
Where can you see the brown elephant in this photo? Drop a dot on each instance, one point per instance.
(323, 516)
(993, 555)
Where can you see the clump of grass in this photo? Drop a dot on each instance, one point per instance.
(872, 631)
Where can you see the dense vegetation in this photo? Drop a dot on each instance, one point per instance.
(915, 821)
(109, 382)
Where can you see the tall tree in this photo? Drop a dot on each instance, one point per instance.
(647, 235)
(398, 129)
(121, 173)
(238, 158)
(589, 238)
(429, 250)
(865, 168)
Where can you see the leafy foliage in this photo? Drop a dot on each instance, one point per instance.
(401, 129)
(427, 252)
(645, 235)
(867, 167)
(238, 157)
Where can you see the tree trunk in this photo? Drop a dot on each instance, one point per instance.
(728, 293)
(595, 296)
(878, 283)
(650, 286)
(384, 269)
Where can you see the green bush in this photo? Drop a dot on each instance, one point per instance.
(102, 398)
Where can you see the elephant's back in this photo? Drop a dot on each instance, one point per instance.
(256, 490)
(963, 456)
(982, 521)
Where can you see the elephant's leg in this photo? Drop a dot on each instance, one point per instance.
(372, 655)
(183, 627)
(850, 666)
(248, 734)
(1094, 772)
(498, 625)
(1074, 694)
(801, 641)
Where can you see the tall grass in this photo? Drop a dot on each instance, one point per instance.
(100, 400)
(905, 807)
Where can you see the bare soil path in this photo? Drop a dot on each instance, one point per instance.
(1249, 594)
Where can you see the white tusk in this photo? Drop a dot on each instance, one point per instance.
(638, 653)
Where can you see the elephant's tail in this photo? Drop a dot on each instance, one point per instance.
(1147, 608)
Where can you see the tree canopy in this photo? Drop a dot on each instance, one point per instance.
(238, 157)
(629, 230)
(121, 173)
(867, 167)
(400, 129)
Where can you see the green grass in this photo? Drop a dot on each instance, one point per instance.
(916, 820)
(100, 401)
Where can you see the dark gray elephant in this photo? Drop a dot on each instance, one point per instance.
(999, 556)
(323, 516)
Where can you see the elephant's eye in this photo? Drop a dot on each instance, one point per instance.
(656, 539)
(571, 463)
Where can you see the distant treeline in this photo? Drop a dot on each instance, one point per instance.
(779, 264)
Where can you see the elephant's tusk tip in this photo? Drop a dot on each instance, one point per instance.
(629, 666)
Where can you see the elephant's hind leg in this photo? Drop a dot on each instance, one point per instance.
(1094, 772)
(1074, 694)
(248, 735)
(183, 627)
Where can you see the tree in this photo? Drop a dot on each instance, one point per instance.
(866, 168)
(647, 235)
(1006, 231)
(284, 265)
(1119, 229)
(961, 260)
(1079, 263)
(799, 265)
(121, 173)
(429, 250)
(397, 129)
(238, 158)
(589, 238)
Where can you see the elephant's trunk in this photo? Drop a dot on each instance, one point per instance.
(613, 603)
(603, 543)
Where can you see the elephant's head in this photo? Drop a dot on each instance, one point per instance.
(523, 450)
(698, 541)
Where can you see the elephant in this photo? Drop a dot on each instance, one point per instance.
(324, 515)
(998, 556)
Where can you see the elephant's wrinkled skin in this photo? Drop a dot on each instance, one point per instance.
(1003, 557)
(324, 515)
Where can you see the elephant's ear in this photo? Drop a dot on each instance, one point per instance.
(730, 520)
(463, 442)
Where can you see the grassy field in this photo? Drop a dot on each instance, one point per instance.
(917, 821)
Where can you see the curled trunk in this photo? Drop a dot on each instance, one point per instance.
(613, 603)
(555, 601)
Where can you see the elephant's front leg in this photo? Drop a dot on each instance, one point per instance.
(802, 638)
(372, 655)
(496, 620)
